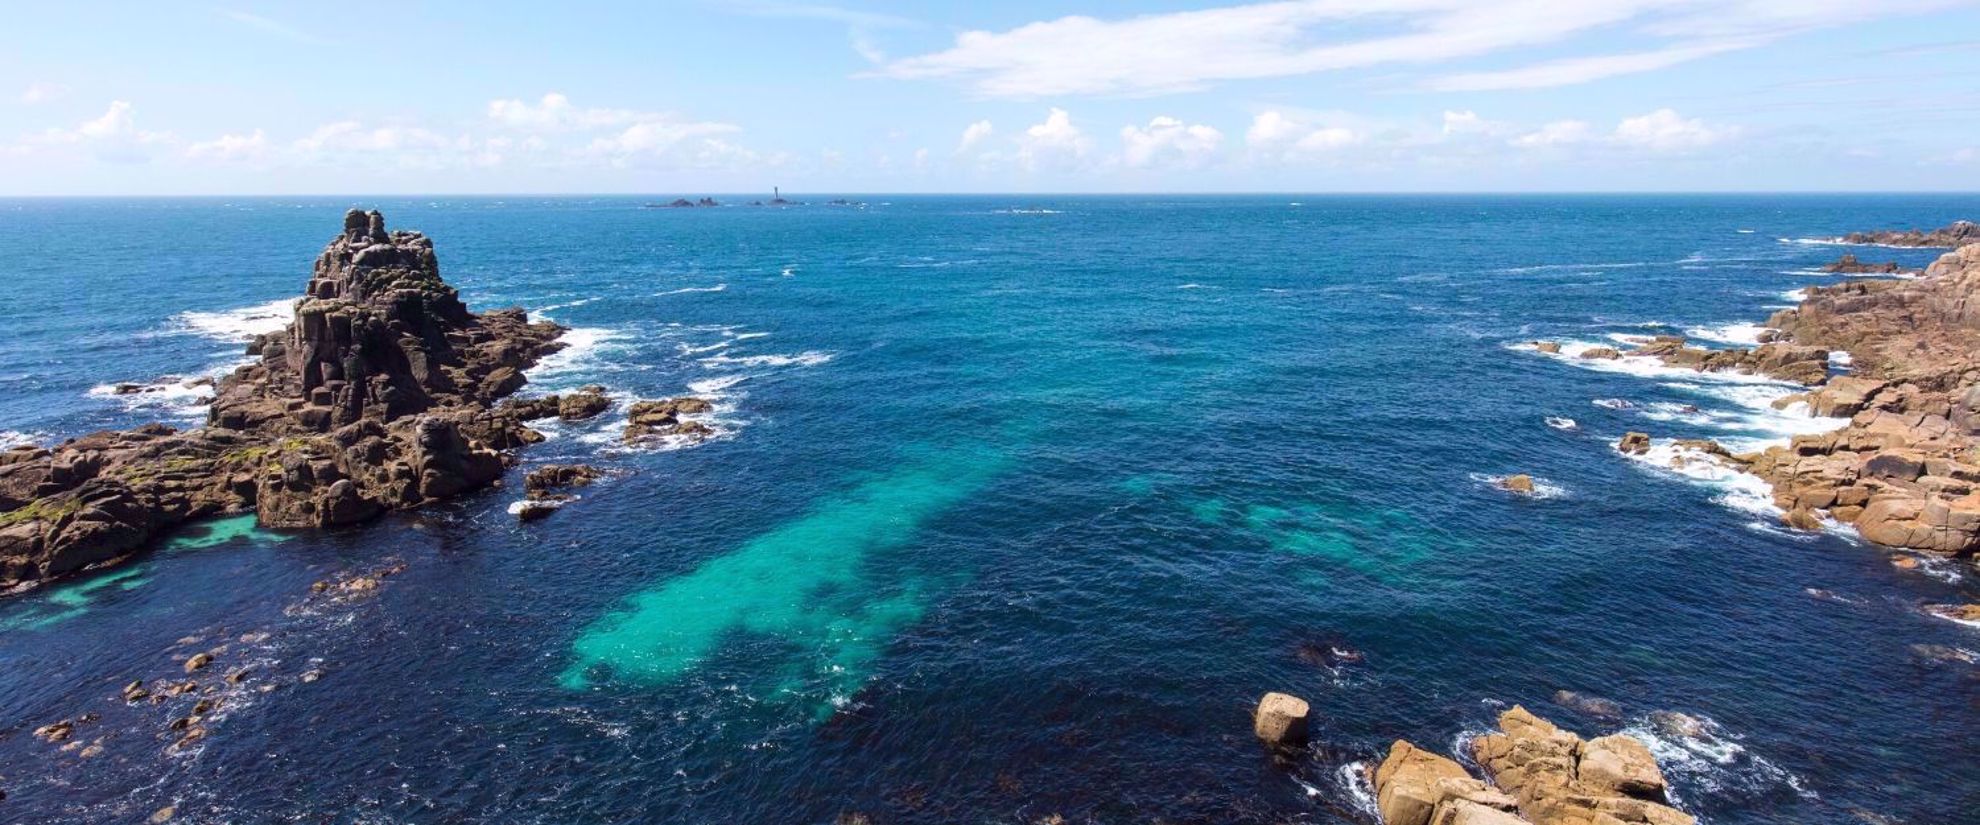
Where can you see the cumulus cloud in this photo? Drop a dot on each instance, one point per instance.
(555, 113)
(1276, 135)
(114, 136)
(1180, 51)
(1168, 141)
(1468, 122)
(1557, 133)
(231, 148)
(1055, 143)
(1665, 130)
(974, 135)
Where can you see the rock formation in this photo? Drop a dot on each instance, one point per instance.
(1958, 234)
(1906, 469)
(1849, 265)
(380, 395)
(1281, 720)
(1543, 775)
(650, 419)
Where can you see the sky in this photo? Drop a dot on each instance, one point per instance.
(699, 97)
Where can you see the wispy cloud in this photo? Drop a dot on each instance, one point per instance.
(862, 27)
(270, 26)
(43, 92)
(1183, 51)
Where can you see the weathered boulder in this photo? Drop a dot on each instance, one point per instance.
(1634, 443)
(1521, 484)
(1411, 782)
(1281, 720)
(1558, 779)
(544, 481)
(1601, 354)
(646, 419)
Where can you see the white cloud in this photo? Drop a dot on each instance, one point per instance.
(114, 136)
(1468, 122)
(1055, 143)
(973, 135)
(1276, 135)
(1557, 133)
(43, 92)
(1168, 141)
(1665, 130)
(1178, 51)
(554, 113)
(1577, 70)
(231, 148)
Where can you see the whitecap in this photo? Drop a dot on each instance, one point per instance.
(241, 324)
(1735, 488)
(1562, 423)
(809, 358)
(1642, 366)
(688, 349)
(1355, 786)
(1733, 333)
(10, 439)
(713, 387)
(176, 395)
(1612, 403)
(1698, 754)
(1744, 231)
(582, 346)
(692, 289)
(745, 336)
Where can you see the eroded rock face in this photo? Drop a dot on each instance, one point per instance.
(648, 419)
(1543, 775)
(378, 396)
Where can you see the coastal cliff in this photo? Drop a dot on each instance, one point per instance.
(381, 394)
(1905, 470)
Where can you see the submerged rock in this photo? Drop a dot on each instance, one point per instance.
(378, 396)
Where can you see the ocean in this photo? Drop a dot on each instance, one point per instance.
(1016, 506)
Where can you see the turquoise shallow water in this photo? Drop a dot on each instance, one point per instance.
(1017, 507)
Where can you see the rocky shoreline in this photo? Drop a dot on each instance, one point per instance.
(1905, 470)
(384, 393)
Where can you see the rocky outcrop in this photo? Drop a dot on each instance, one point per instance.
(1849, 265)
(651, 419)
(1540, 774)
(1905, 470)
(380, 395)
(1958, 234)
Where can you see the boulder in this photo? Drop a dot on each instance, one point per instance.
(1281, 720)
(1601, 354)
(1634, 443)
(1411, 782)
(1522, 484)
(1622, 765)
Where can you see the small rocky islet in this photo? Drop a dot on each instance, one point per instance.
(384, 393)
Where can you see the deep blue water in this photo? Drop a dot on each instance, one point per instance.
(1020, 504)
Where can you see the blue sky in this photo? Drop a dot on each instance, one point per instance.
(734, 97)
